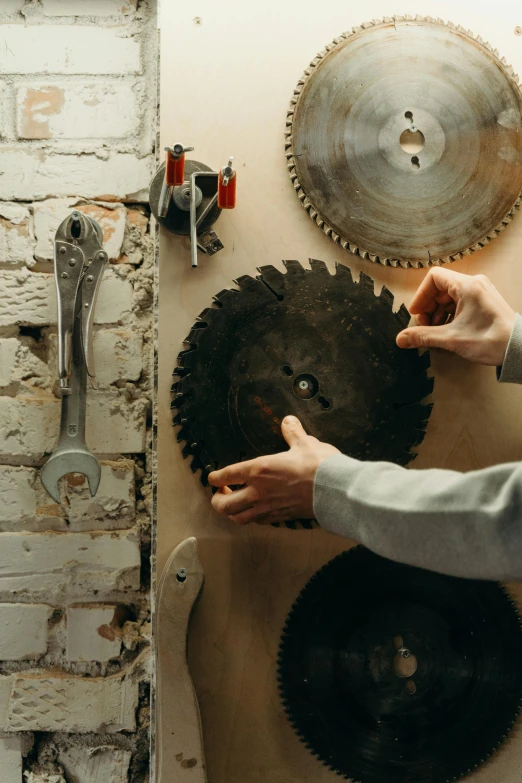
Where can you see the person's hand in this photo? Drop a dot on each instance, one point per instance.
(277, 488)
(460, 313)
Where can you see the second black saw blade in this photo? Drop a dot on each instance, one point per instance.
(308, 343)
(393, 674)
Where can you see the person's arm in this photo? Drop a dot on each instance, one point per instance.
(463, 524)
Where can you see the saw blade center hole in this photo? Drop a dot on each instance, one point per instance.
(404, 661)
(412, 139)
(305, 386)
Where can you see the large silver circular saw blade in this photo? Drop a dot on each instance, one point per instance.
(413, 206)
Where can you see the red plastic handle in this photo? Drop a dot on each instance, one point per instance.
(227, 193)
(175, 170)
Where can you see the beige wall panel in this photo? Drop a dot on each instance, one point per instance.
(228, 70)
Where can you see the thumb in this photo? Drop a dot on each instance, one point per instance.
(293, 431)
(426, 337)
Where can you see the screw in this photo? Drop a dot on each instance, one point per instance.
(62, 250)
(64, 275)
(101, 256)
(90, 278)
(87, 305)
(72, 262)
(518, 30)
(181, 575)
(303, 385)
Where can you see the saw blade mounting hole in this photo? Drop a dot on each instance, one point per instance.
(404, 663)
(306, 386)
(287, 369)
(412, 140)
(415, 162)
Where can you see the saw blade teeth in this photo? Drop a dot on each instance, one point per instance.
(245, 281)
(273, 278)
(178, 401)
(224, 296)
(366, 282)
(387, 296)
(344, 271)
(403, 316)
(293, 267)
(318, 266)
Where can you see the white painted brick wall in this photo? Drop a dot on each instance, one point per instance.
(29, 298)
(76, 110)
(27, 506)
(11, 759)
(77, 130)
(50, 213)
(8, 350)
(95, 561)
(104, 764)
(88, 7)
(23, 631)
(67, 49)
(93, 633)
(29, 175)
(5, 91)
(68, 704)
(16, 238)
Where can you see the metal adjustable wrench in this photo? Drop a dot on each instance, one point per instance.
(79, 261)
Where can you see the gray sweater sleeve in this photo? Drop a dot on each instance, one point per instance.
(463, 524)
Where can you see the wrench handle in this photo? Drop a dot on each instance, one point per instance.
(72, 422)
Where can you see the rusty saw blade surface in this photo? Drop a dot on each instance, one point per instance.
(393, 674)
(308, 343)
(404, 141)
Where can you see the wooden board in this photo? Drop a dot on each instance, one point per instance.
(228, 69)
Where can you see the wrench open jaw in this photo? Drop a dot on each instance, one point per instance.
(79, 262)
(60, 463)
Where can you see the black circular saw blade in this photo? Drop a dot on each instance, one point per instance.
(308, 343)
(350, 699)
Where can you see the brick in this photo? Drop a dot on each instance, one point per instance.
(114, 505)
(29, 299)
(88, 7)
(11, 759)
(18, 495)
(79, 110)
(24, 631)
(5, 101)
(65, 49)
(27, 506)
(104, 764)
(30, 175)
(11, 6)
(22, 365)
(29, 426)
(8, 350)
(50, 213)
(71, 704)
(88, 561)
(118, 356)
(16, 239)
(94, 632)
